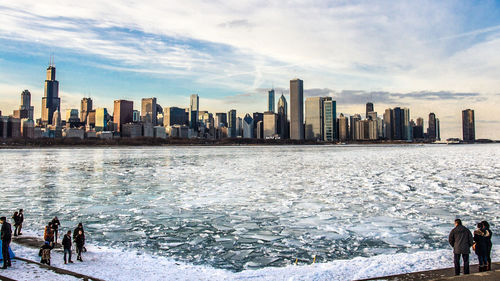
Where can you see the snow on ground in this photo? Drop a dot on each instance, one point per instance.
(113, 264)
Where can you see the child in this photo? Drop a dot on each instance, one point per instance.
(67, 246)
(45, 253)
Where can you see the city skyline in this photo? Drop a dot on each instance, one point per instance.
(443, 65)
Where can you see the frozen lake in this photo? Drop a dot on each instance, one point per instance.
(240, 208)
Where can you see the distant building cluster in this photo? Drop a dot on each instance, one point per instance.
(313, 119)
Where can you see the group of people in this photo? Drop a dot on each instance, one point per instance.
(50, 240)
(461, 239)
(50, 237)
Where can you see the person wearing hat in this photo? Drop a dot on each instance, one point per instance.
(6, 237)
(44, 253)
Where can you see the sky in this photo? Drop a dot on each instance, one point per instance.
(430, 56)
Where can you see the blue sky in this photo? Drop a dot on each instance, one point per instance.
(432, 56)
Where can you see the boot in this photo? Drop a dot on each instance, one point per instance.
(488, 266)
(480, 268)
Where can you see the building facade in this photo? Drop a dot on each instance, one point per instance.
(468, 125)
(50, 101)
(296, 109)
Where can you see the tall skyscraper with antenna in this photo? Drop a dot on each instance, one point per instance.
(50, 101)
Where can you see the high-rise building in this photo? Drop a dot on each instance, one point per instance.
(314, 118)
(283, 117)
(432, 129)
(175, 116)
(407, 129)
(85, 107)
(148, 111)
(25, 111)
(50, 101)
(468, 125)
(388, 123)
(257, 116)
(270, 124)
(398, 123)
(260, 129)
(329, 119)
(270, 101)
(418, 129)
(354, 127)
(101, 119)
(297, 109)
(369, 108)
(231, 124)
(248, 127)
(72, 119)
(342, 124)
(56, 118)
(194, 108)
(220, 119)
(122, 113)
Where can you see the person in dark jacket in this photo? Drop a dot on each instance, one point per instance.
(15, 218)
(20, 216)
(488, 242)
(66, 242)
(55, 226)
(80, 242)
(461, 240)
(79, 227)
(481, 247)
(6, 237)
(44, 252)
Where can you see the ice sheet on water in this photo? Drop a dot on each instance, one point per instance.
(237, 207)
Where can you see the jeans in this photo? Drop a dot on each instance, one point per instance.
(456, 260)
(483, 260)
(67, 252)
(79, 252)
(5, 253)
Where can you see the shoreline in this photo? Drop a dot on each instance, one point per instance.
(101, 262)
(143, 142)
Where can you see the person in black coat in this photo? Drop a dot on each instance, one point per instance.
(80, 242)
(6, 237)
(15, 218)
(55, 226)
(480, 246)
(460, 239)
(66, 242)
(20, 216)
(488, 242)
(44, 252)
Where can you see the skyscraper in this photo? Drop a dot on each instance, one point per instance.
(282, 117)
(431, 130)
(85, 108)
(231, 123)
(25, 109)
(329, 119)
(248, 127)
(388, 123)
(297, 109)
(50, 101)
(343, 125)
(257, 116)
(148, 111)
(194, 108)
(101, 119)
(468, 125)
(314, 118)
(355, 127)
(122, 114)
(407, 129)
(398, 123)
(220, 119)
(270, 122)
(270, 101)
(369, 108)
(174, 116)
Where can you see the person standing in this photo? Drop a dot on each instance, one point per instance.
(55, 227)
(460, 239)
(44, 252)
(66, 242)
(488, 243)
(48, 234)
(20, 217)
(15, 218)
(481, 247)
(6, 237)
(80, 242)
